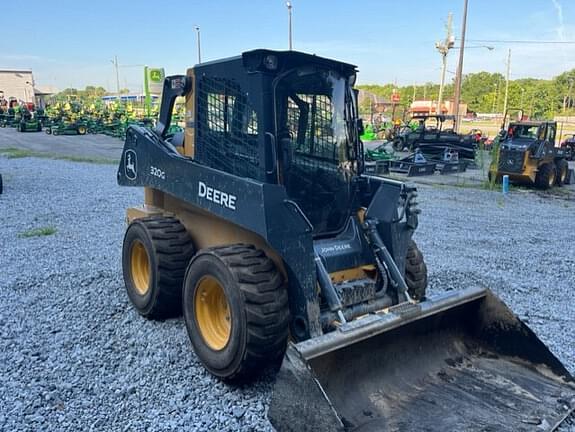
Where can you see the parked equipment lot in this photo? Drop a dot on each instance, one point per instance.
(71, 342)
(100, 147)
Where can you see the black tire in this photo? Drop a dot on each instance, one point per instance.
(546, 176)
(562, 168)
(155, 255)
(257, 311)
(48, 131)
(1, 185)
(81, 130)
(415, 272)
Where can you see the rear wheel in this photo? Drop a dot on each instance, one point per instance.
(236, 311)
(546, 176)
(155, 255)
(415, 272)
(81, 130)
(562, 168)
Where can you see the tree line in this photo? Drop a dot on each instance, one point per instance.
(484, 92)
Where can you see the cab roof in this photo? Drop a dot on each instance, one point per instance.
(264, 60)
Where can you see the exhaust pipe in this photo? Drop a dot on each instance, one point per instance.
(459, 361)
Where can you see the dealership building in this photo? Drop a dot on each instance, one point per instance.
(19, 85)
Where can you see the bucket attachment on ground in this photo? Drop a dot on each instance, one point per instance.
(459, 361)
(414, 164)
(380, 167)
(451, 167)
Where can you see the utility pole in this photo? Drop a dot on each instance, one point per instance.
(199, 44)
(115, 63)
(443, 48)
(289, 7)
(507, 83)
(568, 96)
(495, 97)
(521, 100)
(413, 98)
(458, 76)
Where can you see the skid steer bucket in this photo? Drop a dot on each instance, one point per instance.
(461, 361)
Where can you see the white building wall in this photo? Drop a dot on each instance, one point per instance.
(17, 84)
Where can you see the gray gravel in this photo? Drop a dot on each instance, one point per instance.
(74, 355)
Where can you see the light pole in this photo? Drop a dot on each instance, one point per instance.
(199, 44)
(115, 63)
(458, 78)
(289, 7)
(507, 84)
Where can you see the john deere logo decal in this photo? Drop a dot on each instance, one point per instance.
(130, 164)
(155, 75)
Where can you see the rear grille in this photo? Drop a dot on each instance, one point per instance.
(511, 161)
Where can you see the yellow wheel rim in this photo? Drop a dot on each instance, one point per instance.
(213, 313)
(140, 267)
(81, 130)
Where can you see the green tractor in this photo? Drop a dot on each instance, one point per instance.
(368, 134)
(29, 123)
(68, 128)
(379, 153)
(10, 119)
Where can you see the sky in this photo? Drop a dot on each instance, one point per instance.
(71, 43)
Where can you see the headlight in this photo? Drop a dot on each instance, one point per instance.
(270, 62)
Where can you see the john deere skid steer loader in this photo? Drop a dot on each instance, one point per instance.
(527, 154)
(261, 226)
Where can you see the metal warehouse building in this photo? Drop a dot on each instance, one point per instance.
(17, 84)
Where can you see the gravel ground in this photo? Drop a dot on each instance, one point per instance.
(74, 355)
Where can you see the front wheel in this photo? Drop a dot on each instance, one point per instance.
(546, 176)
(415, 272)
(562, 168)
(236, 311)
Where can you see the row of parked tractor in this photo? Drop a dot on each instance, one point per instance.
(65, 121)
(524, 150)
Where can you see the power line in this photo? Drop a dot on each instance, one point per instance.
(521, 41)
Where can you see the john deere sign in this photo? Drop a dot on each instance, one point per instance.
(154, 80)
(153, 84)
